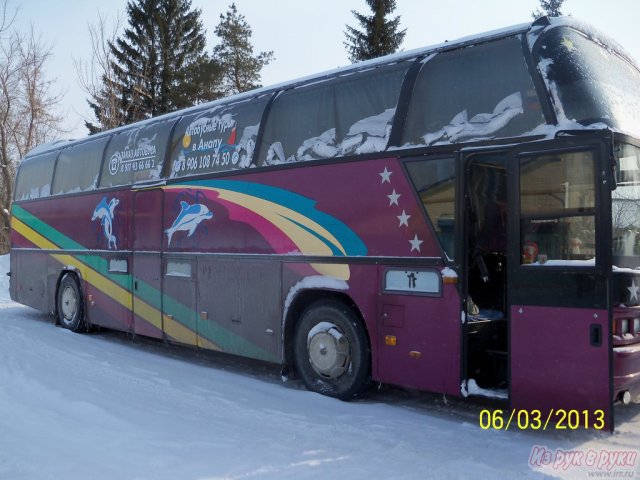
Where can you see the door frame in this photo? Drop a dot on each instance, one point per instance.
(463, 211)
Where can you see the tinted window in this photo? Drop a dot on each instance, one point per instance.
(481, 91)
(222, 138)
(78, 167)
(435, 182)
(346, 115)
(34, 176)
(136, 155)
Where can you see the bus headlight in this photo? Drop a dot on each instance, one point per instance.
(624, 326)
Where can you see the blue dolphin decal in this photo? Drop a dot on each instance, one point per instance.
(188, 219)
(106, 212)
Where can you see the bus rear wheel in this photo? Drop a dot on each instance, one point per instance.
(331, 351)
(69, 304)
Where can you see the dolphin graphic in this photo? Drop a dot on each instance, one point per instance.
(188, 219)
(105, 212)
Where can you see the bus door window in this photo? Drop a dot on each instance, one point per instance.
(557, 210)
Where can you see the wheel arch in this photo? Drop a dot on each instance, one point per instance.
(302, 300)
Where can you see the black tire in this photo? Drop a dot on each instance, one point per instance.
(331, 350)
(70, 306)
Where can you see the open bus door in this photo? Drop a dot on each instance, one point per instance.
(558, 282)
(536, 236)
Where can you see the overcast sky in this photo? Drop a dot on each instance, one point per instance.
(306, 36)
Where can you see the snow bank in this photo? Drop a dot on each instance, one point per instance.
(4, 279)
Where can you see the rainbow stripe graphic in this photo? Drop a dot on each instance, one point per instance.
(161, 311)
(289, 222)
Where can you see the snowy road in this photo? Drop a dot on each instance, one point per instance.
(99, 406)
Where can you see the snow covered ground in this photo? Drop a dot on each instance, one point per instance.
(99, 406)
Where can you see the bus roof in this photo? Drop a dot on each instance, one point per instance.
(537, 26)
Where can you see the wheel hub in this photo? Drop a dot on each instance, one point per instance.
(69, 303)
(328, 351)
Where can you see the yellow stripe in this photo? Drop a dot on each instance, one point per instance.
(184, 335)
(31, 235)
(99, 281)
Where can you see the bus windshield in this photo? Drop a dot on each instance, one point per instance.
(626, 208)
(589, 82)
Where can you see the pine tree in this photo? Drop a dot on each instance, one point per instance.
(155, 62)
(234, 55)
(550, 8)
(379, 36)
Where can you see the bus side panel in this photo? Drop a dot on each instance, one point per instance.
(109, 310)
(425, 353)
(354, 209)
(29, 282)
(419, 338)
(239, 307)
(179, 301)
(93, 222)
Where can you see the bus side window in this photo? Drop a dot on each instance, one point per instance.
(482, 91)
(78, 167)
(557, 210)
(435, 183)
(35, 176)
(136, 155)
(217, 139)
(348, 115)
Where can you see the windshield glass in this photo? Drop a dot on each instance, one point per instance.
(626, 208)
(589, 83)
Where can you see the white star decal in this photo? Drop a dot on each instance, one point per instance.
(386, 175)
(633, 291)
(415, 243)
(393, 198)
(404, 219)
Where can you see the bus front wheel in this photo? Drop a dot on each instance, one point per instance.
(331, 350)
(69, 303)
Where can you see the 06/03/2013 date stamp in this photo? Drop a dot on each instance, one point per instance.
(556, 419)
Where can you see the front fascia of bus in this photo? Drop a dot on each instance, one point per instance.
(625, 291)
(593, 83)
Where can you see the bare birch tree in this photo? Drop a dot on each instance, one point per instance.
(97, 75)
(27, 111)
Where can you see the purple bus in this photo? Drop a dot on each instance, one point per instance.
(462, 219)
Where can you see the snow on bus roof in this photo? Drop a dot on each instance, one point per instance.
(537, 26)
